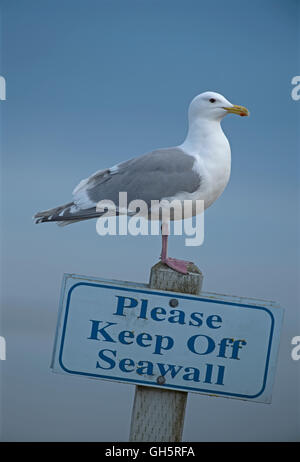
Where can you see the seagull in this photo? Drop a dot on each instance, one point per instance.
(197, 169)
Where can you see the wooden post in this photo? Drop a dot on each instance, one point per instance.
(158, 414)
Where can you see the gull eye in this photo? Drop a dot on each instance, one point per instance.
(212, 100)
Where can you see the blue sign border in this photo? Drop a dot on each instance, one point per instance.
(164, 294)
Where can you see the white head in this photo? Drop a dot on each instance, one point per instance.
(213, 106)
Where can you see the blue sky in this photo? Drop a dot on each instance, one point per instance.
(92, 83)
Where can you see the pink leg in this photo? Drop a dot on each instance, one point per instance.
(178, 265)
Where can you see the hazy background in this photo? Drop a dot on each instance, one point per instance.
(91, 83)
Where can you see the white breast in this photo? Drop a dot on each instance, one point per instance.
(213, 164)
(215, 175)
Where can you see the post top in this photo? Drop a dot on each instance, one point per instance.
(164, 278)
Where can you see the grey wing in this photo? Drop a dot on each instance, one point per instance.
(154, 176)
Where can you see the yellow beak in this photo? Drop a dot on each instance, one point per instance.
(240, 110)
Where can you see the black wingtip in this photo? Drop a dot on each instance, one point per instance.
(38, 219)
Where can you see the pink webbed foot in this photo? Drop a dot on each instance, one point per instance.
(181, 266)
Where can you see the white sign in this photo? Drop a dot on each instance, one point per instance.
(212, 344)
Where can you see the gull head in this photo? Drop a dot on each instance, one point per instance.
(213, 106)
